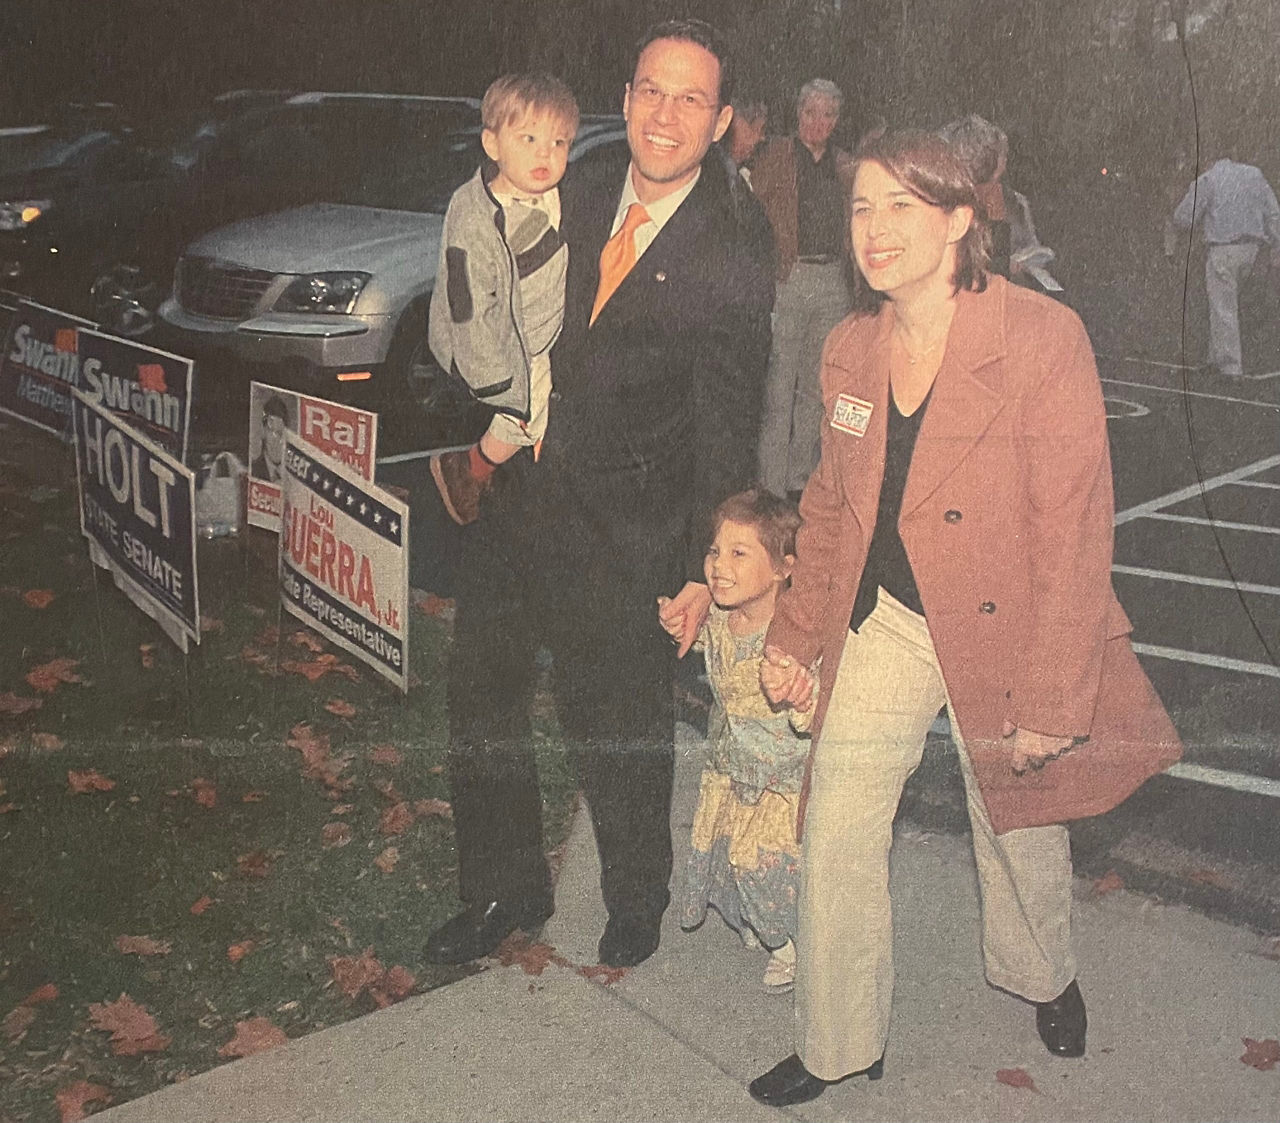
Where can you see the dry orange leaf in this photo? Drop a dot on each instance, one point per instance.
(148, 653)
(256, 1035)
(89, 780)
(205, 791)
(133, 1030)
(1107, 883)
(142, 945)
(17, 1021)
(11, 703)
(335, 834)
(47, 676)
(42, 994)
(1016, 1078)
(253, 797)
(39, 598)
(396, 819)
(74, 1098)
(353, 973)
(386, 861)
(433, 605)
(533, 958)
(342, 809)
(395, 986)
(1262, 1055)
(46, 742)
(5, 808)
(201, 905)
(427, 807)
(340, 707)
(385, 754)
(254, 864)
(311, 642)
(237, 952)
(605, 976)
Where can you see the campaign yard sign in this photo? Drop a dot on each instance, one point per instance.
(137, 509)
(344, 559)
(341, 432)
(149, 388)
(40, 367)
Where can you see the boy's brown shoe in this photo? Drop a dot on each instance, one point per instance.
(458, 487)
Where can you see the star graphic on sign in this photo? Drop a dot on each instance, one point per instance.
(394, 527)
(315, 477)
(377, 517)
(326, 483)
(350, 499)
(337, 492)
(364, 508)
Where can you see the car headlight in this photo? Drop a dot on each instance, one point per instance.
(22, 213)
(322, 292)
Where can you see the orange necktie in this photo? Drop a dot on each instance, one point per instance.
(618, 256)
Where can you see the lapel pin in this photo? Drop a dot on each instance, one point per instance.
(660, 276)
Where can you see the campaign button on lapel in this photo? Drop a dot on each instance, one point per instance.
(851, 415)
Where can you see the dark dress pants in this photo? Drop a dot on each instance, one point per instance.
(527, 584)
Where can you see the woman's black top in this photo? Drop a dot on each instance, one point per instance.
(887, 565)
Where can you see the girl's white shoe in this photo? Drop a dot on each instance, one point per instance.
(780, 973)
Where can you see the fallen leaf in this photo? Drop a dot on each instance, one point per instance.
(254, 864)
(312, 643)
(237, 952)
(386, 861)
(74, 1098)
(148, 653)
(1016, 1078)
(316, 669)
(340, 707)
(1109, 882)
(396, 819)
(432, 605)
(132, 1029)
(1211, 877)
(5, 808)
(17, 1021)
(11, 703)
(385, 754)
(201, 905)
(90, 780)
(256, 658)
(428, 807)
(599, 973)
(1262, 1055)
(47, 676)
(342, 809)
(436, 769)
(42, 994)
(256, 1035)
(335, 834)
(142, 945)
(353, 973)
(395, 986)
(39, 598)
(206, 792)
(388, 791)
(518, 950)
(210, 624)
(253, 797)
(46, 742)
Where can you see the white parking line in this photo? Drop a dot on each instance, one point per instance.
(1221, 524)
(1256, 483)
(1221, 662)
(1192, 393)
(1196, 489)
(1221, 778)
(1190, 579)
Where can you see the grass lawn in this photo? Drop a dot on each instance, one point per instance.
(268, 833)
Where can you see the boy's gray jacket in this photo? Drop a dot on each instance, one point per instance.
(476, 329)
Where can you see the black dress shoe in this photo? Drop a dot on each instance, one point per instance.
(626, 943)
(1061, 1023)
(789, 1082)
(479, 929)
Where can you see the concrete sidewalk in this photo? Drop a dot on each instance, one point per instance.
(1170, 996)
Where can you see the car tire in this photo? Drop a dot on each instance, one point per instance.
(124, 299)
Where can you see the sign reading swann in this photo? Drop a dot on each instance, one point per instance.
(40, 367)
(344, 559)
(137, 508)
(150, 389)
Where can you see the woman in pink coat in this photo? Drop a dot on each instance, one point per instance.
(956, 551)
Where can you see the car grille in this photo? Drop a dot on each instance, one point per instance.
(223, 292)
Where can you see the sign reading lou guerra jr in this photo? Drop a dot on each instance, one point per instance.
(137, 506)
(341, 432)
(344, 559)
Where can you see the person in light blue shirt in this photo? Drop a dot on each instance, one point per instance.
(1237, 213)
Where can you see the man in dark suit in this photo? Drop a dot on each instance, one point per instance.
(652, 422)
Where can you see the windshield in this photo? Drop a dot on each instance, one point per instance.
(47, 150)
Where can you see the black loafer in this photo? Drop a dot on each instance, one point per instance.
(626, 943)
(478, 930)
(789, 1082)
(1061, 1023)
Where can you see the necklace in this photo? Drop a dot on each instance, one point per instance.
(914, 357)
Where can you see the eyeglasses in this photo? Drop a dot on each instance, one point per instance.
(690, 104)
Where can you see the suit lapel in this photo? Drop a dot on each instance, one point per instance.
(966, 395)
(861, 459)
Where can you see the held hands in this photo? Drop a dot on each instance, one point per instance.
(1033, 750)
(785, 680)
(683, 615)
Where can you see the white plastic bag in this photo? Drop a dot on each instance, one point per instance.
(219, 495)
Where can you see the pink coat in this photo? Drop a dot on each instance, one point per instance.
(1007, 520)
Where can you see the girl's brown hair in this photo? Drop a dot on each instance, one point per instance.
(774, 520)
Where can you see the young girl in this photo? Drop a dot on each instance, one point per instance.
(745, 861)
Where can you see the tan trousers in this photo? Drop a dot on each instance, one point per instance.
(887, 693)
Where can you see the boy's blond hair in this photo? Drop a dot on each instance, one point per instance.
(512, 95)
